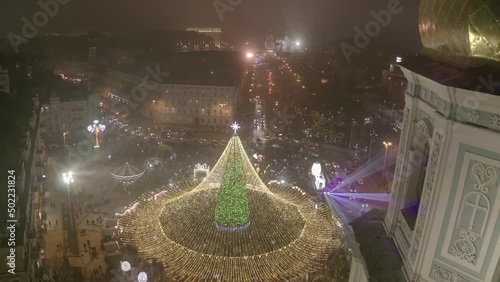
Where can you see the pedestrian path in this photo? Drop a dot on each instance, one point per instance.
(53, 247)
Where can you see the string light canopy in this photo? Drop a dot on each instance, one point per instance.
(127, 173)
(262, 233)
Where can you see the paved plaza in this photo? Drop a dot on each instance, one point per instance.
(95, 197)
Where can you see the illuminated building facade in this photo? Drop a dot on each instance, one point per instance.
(202, 89)
(195, 105)
(445, 204)
(270, 43)
(29, 258)
(288, 45)
(214, 33)
(394, 82)
(71, 111)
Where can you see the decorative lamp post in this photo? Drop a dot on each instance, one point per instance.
(95, 128)
(64, 140)
(352, 130)
(68, 179)
(386, 144)
(153, 111)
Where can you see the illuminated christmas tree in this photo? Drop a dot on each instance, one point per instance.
(232, 203)
(288, 236)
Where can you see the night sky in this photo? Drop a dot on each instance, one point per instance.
(313, 21)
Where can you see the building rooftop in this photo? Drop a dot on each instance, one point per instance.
(203, 77)
(207, 68)
(67, 92)
(379, 251)
(474, 75)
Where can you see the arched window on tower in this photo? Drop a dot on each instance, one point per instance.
(422, 173)
(416, 172)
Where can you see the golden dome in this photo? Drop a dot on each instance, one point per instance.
(465, 28)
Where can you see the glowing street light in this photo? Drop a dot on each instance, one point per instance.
(250, 55)
(64, 140)
(96, 127)
(153, 112)
(386, 144)
(297, 43)
(68, 179)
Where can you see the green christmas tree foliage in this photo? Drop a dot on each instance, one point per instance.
(232, 203)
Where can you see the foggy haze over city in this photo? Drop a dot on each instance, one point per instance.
(315, 22)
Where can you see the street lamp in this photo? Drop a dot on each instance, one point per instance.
(352, 129)
(64, 140)
(96, 127)
(386, 144)
(154, 101)
(68, 179)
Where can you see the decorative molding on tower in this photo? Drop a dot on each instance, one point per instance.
(426, 197)
(471, 232)
(446, 275)
(463, 112)
(399, 163)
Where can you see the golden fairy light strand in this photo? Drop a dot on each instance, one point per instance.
(291, 235)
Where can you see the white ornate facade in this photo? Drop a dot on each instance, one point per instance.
(70, 114)
(447, 173)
